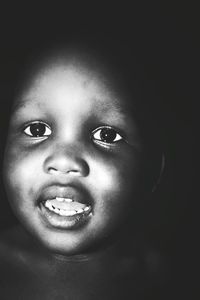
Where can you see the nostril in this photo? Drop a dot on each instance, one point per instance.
(55, 171)
(73, 172)
(52, 170)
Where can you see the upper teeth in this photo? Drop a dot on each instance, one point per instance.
(63, 199)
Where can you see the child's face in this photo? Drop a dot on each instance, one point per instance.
(72, 159)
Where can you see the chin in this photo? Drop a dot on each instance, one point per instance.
(66, 244)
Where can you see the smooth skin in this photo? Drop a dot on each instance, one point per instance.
(70, 103)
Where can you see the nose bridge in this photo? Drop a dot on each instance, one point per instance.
(66, 157)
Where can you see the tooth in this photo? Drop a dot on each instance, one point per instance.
(69, 213)
(56, 210)
(60, 199)
(79, 211)
(51, 208)
(62, 212)
(86, 208)
(68, 200)
(47, 204)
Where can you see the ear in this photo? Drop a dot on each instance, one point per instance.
(162, 167)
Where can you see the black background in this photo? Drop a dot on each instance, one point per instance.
(168, 36)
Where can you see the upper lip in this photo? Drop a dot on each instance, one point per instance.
(76, 193)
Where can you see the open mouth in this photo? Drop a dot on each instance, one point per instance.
(67, 210)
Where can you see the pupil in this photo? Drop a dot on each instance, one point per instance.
(107, 135)
(37, 129)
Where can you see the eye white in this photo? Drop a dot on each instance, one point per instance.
(97, 135)
(46, 133)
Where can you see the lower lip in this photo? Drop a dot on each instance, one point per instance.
(63, 222)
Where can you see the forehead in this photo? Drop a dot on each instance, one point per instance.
(65, 78)
(68, 78)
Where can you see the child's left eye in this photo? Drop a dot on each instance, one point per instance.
(37, 130)
(106, 134)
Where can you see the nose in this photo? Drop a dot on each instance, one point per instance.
(64, 160)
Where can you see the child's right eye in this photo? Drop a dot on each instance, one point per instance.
(37, 130)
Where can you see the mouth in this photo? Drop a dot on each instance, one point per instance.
(65, 207)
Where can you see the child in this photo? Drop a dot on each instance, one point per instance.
(76, 173)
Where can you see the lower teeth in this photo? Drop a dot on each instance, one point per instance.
(66, 213)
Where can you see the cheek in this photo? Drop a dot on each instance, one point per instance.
(115, 176)
(114, 189)
(20, 169)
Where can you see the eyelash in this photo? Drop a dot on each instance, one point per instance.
(99, 135)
